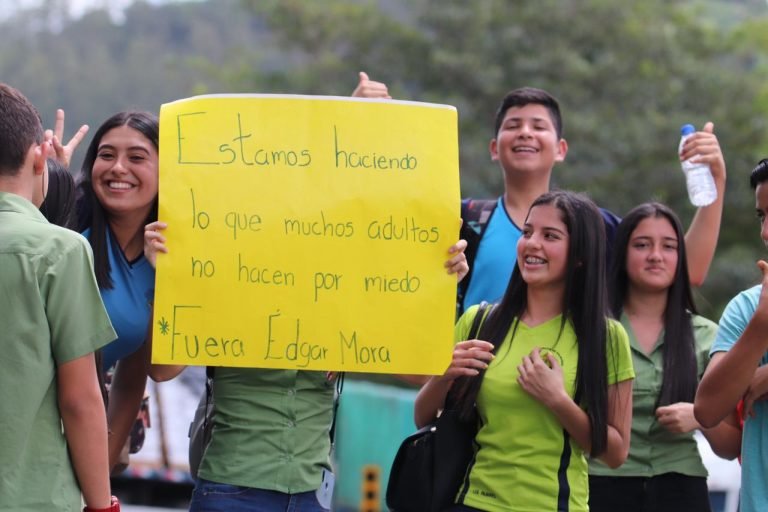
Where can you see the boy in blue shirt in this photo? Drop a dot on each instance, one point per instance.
(528, 142)
(739, 349)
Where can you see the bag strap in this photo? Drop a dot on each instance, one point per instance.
(208, 394)
(477, 322)
(336, 397)
(474, 330)
(475, 215)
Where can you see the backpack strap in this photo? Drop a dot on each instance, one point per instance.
(336, 397)
(475, 214)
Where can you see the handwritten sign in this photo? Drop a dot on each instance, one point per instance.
(307, 233)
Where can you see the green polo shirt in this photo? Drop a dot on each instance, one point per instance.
(653, 450)
(270, 429)
(50, 313)
(525, 460)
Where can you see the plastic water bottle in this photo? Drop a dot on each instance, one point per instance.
(698, 176)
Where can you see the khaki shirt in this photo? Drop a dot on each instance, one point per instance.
(653, 450)
(50, 313)
(270, 429)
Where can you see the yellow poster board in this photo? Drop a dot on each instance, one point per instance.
(307, 232)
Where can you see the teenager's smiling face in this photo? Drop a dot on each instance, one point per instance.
(527, 140)
(124, 172)
(542, 251)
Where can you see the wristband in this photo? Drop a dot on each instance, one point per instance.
(114, 506)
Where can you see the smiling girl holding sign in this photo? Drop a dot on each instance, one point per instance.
(554, 382)
(270, 443)
(116, 198)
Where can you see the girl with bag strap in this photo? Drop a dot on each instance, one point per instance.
(553, 383)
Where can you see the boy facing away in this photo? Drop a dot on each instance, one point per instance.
(52, 418)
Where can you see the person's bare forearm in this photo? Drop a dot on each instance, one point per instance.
(430, 400)
(125, 395)
(725, 438)
(85, 427)
(729, 374)
(701, 238)
(702, 235)
(165, 372)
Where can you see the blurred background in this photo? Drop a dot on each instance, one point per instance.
(627, 74)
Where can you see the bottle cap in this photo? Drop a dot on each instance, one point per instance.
(687, 129)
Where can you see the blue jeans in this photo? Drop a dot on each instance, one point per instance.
(214, 497)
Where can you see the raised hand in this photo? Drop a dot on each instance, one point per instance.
(457, 263)
(63, 153)
(703, 147)
(367, 88)
(154, 241)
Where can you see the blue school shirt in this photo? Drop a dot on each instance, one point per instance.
(128, 302)
(495, 259)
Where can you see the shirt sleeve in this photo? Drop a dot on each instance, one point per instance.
(733, 322)
(464, 324)
(618, 354)
(704, 332)
(77, 320)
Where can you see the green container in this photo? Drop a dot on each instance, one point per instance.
(373, 420)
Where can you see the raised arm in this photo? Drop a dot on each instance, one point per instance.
(125, 394)
(702, 235)
(85, 427)
(729, 374)
(619, 423)
(64, 152)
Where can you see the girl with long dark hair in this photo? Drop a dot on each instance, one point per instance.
(651, 294)
(116, 198)
(553, 382)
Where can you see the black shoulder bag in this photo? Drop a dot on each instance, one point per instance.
(431, 463)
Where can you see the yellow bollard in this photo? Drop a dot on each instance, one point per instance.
(371, 489)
